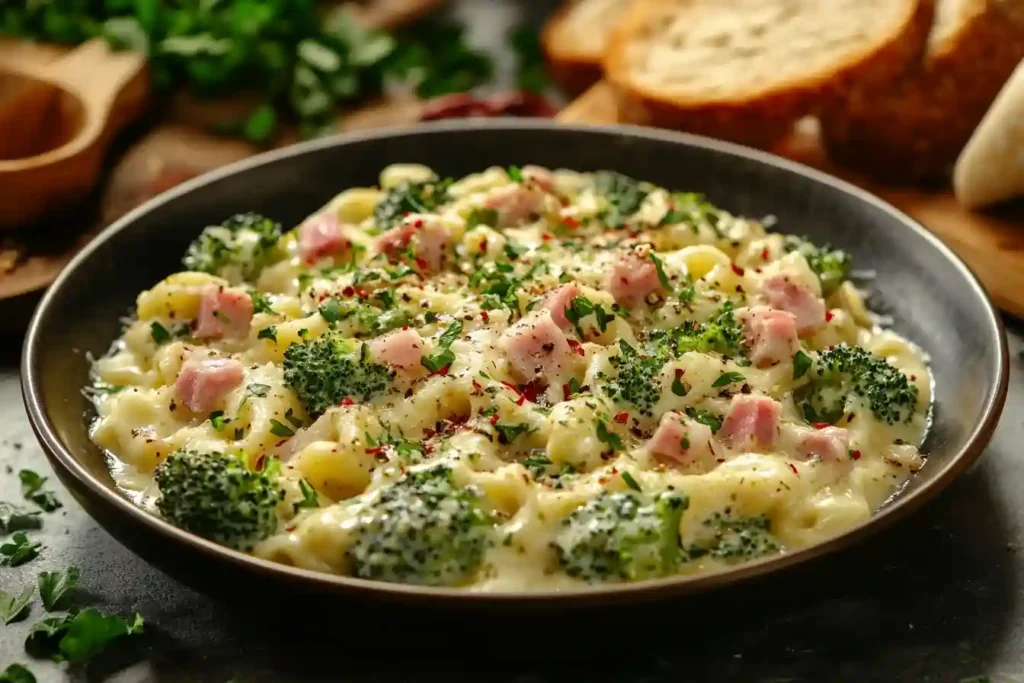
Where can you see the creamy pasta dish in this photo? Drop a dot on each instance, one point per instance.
(522, 380)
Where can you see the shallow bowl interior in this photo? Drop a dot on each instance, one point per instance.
(933, 299)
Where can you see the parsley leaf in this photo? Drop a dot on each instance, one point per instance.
(801, 364)
(309, 497)
(90, 632)
(279, 429)
(537, 464)
(662, 277)
(159, 333)
(330, 311)
(481, 217)
(57, 586)
(705, 417)
(217, 420)
(507, 433)
(12, 607)
(268, 333)
(16, 673)
(19, 550)
(630, 481)
(443, 356)
(678, 388)
(31, 483)
(260, 302)
(515, 174)
(14, 518)
(727, 378)
(604, 435)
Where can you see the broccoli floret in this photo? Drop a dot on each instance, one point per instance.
(422, 529)
(722, 334)
(406, 197)
(622, 537)
(624, 195)
(216, 496)
(637, 379)
(843, 373)
(326, 370)
(831, 265)
(237, 249)
(735, 538)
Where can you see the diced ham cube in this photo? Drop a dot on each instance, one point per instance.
(539, 176)
(516, 203)
(201, 384)
(223, 314)
(831, 444)
(782, 293)
(402, 349)
(429, 238)
(770, 334)
(319, 236)
(558, 301)
(751, 418)
(536, 346)
(680, 440)
(631, 279)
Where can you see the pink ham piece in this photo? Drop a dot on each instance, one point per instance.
(770, 334)
(321, 236)
(428, 236)
(782, 293)
(539, 176)
(223, 314)
(202, 384)
(831, 444)
(402, 349)
(558, 302)
(750, 418)
(536, 345)
(632, 279)
(680, 441)
(516, 203)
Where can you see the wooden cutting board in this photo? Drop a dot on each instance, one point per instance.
(992, 242)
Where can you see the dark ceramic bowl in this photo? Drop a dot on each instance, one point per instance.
(933, 298)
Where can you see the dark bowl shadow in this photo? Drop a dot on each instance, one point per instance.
(934, 299)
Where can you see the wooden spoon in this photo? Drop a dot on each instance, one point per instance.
(57, 118)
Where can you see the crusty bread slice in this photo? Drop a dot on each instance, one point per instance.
(916, 127)
(745, 70)
(575, 38)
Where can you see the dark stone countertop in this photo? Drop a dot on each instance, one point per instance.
(938, 597)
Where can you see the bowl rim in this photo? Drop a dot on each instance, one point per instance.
(904, 503)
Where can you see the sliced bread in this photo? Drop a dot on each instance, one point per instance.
(916, 127)
(575, 38)
(745, 70)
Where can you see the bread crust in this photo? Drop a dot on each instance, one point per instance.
(915, 129)
(571, 66)
(760, 119)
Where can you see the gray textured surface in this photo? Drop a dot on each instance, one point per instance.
(937, 598)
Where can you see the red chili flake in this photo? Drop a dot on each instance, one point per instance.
(348, 291)
(634, 235)
(736, 269)
(260, 462)
(855, 455)
(483, 246)
(764, 254)
(575, 346)
(376, 449)
(477, 388)
(679, 373)
(547, 237)
(511, 386)
(321, 297)
(820, 425)
(829, 315)
(532, 390)
(621, 417)
(521, 400)
(570, 222)
(494, 419)
(566, 392)
(347, 401)
(290, 528)
(405, 328)
(420, 263)
(443, 371)
(418, 223)
(405, 215)
(721, 460)
(361, 293)
(793, 467)
(485, 317)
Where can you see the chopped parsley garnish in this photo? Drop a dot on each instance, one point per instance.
(606, 436)
(727, 378)
(159, 333)
(481, 217)
(56, 588)
(678, 388)
(31, 489)
(268, 333)
(623, 195)
(630, 481)
(662, 277)
(260, 302)
(217, 420)
(309, 497)
(580, 307)
(409, 197)
(507, 433)
(705, 417)
(331, 311)
(279, 429)
(515, 174)
(801, 364)
(443, 356)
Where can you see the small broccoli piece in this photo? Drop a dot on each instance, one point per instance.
(422, 529)
(735, 538)
(624, 195)
(326, 370)
(843, 373)
(216, 496)
(237, 249)
(637, 379)
(407, 197)
(622, 537)
(831, 265)
(722, 334)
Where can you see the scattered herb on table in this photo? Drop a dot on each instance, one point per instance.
(57, 588)
(19, 550)
(31, 488)
(13, 606)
